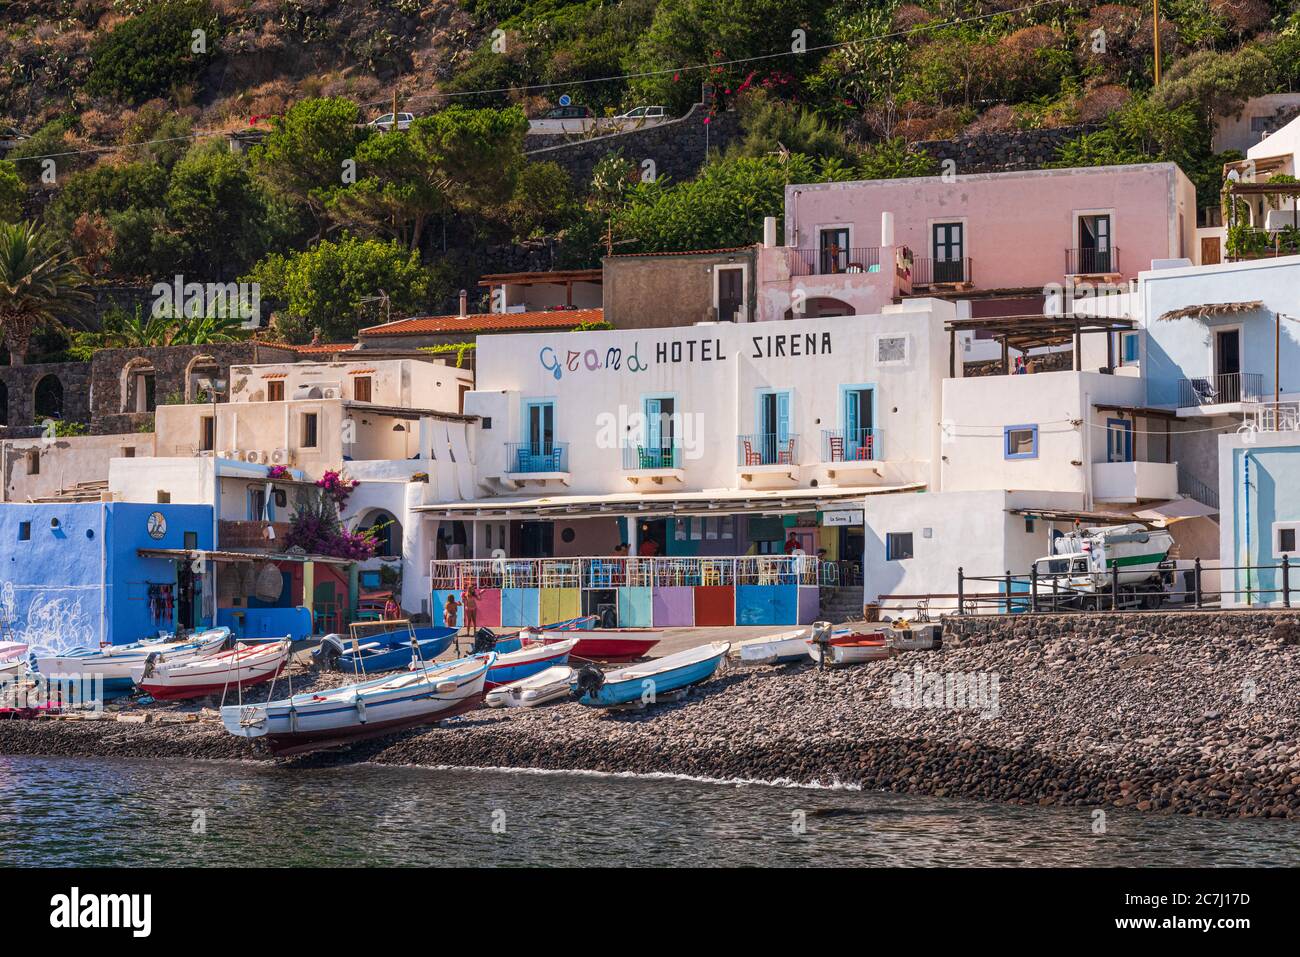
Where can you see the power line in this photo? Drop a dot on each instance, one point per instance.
(899, 34)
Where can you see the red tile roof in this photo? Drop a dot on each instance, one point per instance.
(320, 347)
(487, 322)
(683, 252)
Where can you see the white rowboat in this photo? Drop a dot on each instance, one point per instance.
(545, 686)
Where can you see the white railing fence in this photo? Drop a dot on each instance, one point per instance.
(632, 572)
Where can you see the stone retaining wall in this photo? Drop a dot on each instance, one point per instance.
(1210, 626)
(1002, 152)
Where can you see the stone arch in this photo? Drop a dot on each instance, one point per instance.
(47, 397)
(138, 382)
(200, 367)
(388, 532)
(819, 306)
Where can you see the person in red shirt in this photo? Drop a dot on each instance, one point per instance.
(392, 610)
(791, 544)
(648, 548)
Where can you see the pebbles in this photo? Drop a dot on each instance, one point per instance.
(1178, 713)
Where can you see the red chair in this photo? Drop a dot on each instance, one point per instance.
(786, 456)
(864, 449)
(752, 457)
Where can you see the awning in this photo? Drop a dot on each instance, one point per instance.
(1139, 410)
(716, 502)
(218, 555)
(1209, 309)
(1176, 511)
(1070, 515)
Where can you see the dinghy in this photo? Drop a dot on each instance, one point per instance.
(773, 649)
(113, 664)
(528, 661)
(848, 646)
(549, 685)
(387, 650)
(308, 722)
(197, 675)
(649, 680)
(605, 644)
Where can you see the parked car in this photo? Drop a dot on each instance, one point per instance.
(385, 122)
(644, 113)
(10, 137)
(567, 113)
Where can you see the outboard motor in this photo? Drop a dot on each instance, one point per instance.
(590, 680)
(329, 649)
(484, 641)
(149, 662)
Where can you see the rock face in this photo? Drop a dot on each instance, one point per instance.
(1002, 152)
(1176, 713)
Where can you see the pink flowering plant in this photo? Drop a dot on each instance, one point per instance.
(317, 529)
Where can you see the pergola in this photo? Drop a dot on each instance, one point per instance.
(1023, 333)
(565, 278)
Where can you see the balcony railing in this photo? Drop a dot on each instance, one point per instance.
(1219, 389)
(1191, 486)
(641, 457)
(851, 445)
(1091, 262)
(929, 272)
(766, 448)
(1275, 416)
(631, 572)
(531, 457)
(832, 260)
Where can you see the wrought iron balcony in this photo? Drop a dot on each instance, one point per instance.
(765, 448)
(930, 272)
(1092, 262)
(533, 457)
(1220, 389)
(832, 260)
(851, 445)
(643, 457)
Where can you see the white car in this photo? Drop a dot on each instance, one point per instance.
(644, 113)
(385, 122)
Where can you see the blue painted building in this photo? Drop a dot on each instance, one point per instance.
(1260, 522)
(71, 573)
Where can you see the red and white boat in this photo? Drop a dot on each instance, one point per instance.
(849, 648)
(602, 644)
(193, 677)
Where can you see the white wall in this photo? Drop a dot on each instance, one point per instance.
(63, 462)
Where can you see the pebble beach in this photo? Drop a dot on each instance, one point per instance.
(1049, 712)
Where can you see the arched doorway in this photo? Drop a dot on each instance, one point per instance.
(138, 386)
(388, 533)
(818, 307)
(200, 368)
(48, 398)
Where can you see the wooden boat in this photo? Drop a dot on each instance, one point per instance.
(649, 680)
(198, 675)
(605, 644)
(308, 722)
(113, 664)
(538, 689)
(515, 665)
(773, 649)
(385, 649)
(848, 646)
(508, 643)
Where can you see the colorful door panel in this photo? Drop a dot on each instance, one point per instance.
(635, 608)
(715, 606)
(673, 607)
(560, 604)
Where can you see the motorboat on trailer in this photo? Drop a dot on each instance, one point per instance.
(380, 706)
(538, 689)
(646, 682)
(113, 664)
(197, 675)
(398, 644)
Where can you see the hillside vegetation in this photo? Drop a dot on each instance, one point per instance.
(123, 104)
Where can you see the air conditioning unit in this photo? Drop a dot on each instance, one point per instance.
(330, 393)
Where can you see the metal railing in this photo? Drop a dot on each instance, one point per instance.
(851, 445)
(1274, 416)
(928, 272)
(633, 572)
(1190, 485)
(1220, 389)
(833, 260)
(765, 448)
(1091, 262)
(637, 457)
(532, 457)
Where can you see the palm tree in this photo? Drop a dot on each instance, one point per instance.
(41, 285)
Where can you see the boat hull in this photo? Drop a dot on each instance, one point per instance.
(775, 649)
(644, 683)
(841, 652)
(603, 645)
(526, 662)
(287, 745)
(215, 674)
(545, 686)
(433, 642)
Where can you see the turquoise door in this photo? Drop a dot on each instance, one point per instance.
(858, 422)
(659, 445)
(773, 425)
(539, 436)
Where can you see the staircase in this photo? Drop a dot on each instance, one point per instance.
(841, 604)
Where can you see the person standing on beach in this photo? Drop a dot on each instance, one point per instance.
(392, 610)
(469, 599)
(449, 611)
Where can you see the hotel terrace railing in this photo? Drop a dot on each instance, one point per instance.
(831, 261)
(649, 457)
(537, 456)
(765, 448)
(1220, 389)
(1274, 416)
(601, 573)
(1091, 262)
(928, 272)
(851, 445)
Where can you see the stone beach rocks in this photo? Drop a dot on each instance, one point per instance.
(1190, 713)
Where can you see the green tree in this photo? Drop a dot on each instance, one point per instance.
(41, 285)
(773, 127)
(12, 193)
(325, 287)
(155, 51)
(543, 201)
(303, 158)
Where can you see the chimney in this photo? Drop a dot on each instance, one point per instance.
(464, 303)
(886, 229)
(769, 231)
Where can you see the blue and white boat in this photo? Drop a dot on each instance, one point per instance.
(387, 650)
(525, 662)
(309, 721)
(113, 665)
(648, 680)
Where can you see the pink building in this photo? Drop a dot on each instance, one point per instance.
(997, 239)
